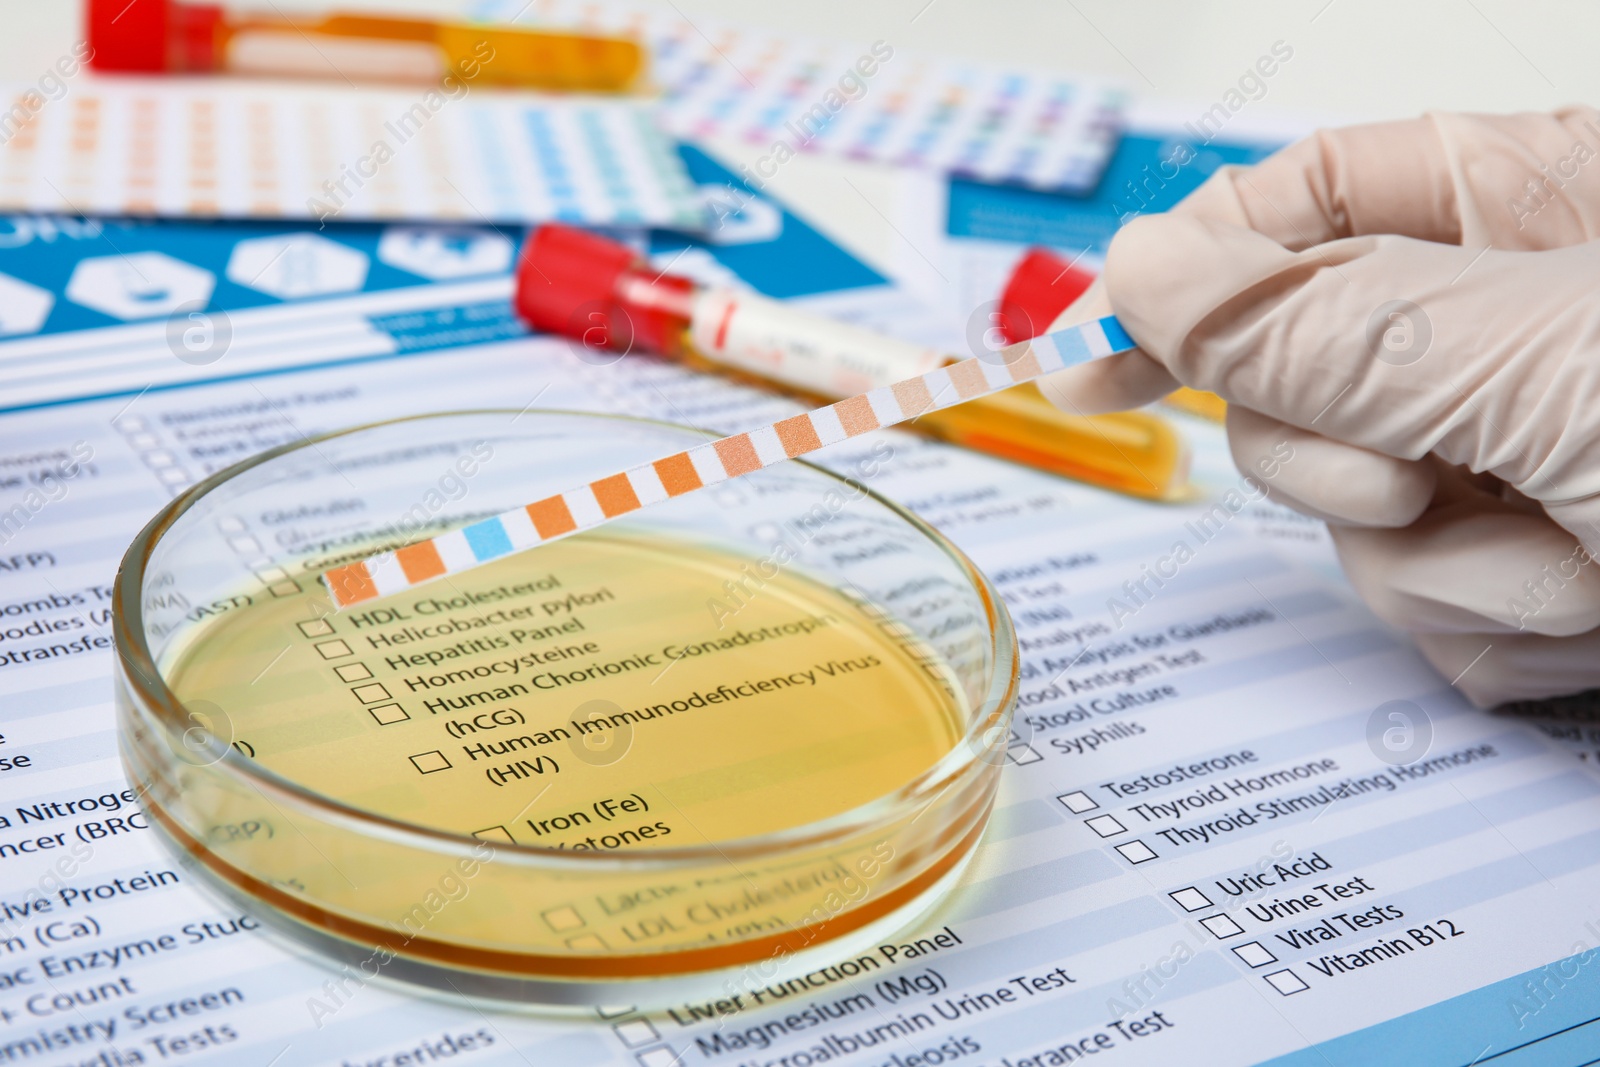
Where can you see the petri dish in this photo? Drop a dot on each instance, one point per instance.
(712, 747)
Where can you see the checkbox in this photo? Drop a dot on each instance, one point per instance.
(160, 458)
(429, 762)
(1255, 954)
(176, 475)
(1136, 852)
(563, 918)
(1286, 982)
(389, 714)
(587, 943)
(244, 544)
(1078, 802)
(494, 833)
(636, 1032)
(334, 649)
(1222, 926)
(284, 588)
(353, 672)
(144, 440)
(611, 1011)
(897, 630)
(1022, 755)
(1106, 825)
(315, 628)
(658, 1057)
(130, 424)
(1191, 899)
(371, 694)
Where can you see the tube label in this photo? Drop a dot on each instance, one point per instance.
(801, 349)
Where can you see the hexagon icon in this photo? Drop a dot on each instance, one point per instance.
(138, 286)
(738, 218)
(23, 307)
(295, 265)
(440, 252)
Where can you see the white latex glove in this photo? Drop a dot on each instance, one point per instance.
(1455, 450)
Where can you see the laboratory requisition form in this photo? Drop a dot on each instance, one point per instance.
(1240, 819)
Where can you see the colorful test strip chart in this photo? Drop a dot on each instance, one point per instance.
(873, 102)
(209, 148)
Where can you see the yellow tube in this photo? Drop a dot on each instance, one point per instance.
(1195, 402)
(412, 50)
(1132, 452)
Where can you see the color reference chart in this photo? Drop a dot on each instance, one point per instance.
(872, 102)
(214, 148)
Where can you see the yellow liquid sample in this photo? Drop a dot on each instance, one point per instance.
(608, 691)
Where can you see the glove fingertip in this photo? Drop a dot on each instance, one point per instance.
(1339, 483)
(1165, 273)
(1116, 383)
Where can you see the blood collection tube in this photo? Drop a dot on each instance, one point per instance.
(163, 36)
(602, 294)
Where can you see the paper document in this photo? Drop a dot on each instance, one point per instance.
(1241, 821)
(878, 102)
(241, 149)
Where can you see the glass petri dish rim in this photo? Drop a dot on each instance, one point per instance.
(140, 673)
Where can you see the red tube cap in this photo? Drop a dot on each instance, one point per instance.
(598, 291)
(151, 36)
(127, 36)
(566, 271)
(1041, 287)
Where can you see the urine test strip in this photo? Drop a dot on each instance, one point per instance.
(604, 499)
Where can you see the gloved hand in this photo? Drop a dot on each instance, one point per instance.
(1415, 308)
